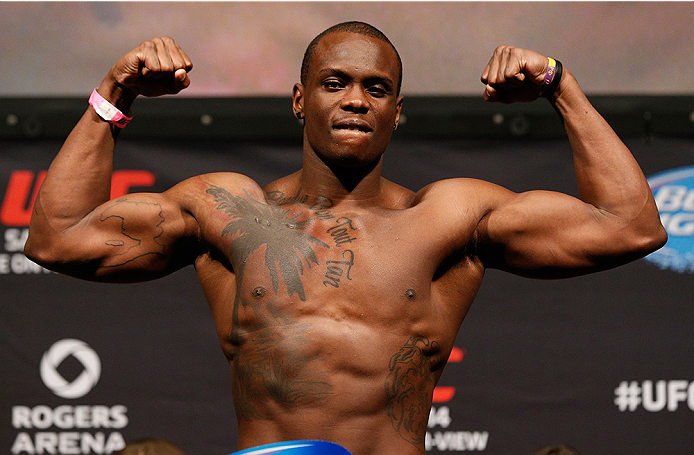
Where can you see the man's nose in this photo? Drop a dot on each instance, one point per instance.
(355, 100)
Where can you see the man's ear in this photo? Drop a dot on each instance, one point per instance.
(398, 109)
(298, 101)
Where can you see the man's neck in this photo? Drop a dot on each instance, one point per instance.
(338, 183)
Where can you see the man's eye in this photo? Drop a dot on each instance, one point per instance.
(332, 85)
(377, 91)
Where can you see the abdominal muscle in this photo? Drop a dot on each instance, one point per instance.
(341, 381)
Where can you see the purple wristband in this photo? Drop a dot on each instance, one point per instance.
(549, 74)
(552, 78)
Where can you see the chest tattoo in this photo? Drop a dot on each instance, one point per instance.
(255, 225)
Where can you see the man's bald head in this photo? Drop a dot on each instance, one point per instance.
(361, 28)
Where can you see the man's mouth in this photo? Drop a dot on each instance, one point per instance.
(352, 125)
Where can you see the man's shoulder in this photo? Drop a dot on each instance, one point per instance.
(285, 185)
(468, 191)
(198, 191)
(230, 181)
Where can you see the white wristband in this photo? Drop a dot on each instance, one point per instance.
(108, 111)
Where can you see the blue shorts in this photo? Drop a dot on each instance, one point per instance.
(296, 448)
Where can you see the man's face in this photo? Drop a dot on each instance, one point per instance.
(349, 103)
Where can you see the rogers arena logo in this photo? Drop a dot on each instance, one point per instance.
(84, 382)
(674, 194)
(69, 429)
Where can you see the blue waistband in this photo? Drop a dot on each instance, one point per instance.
(296, 448)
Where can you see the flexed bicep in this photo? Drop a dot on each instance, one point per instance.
(544, 234)
(136, 237)
(128, 241)
(548, 234)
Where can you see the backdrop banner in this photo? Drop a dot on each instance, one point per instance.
(600, 362)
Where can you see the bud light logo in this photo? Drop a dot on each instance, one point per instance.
(674, 194)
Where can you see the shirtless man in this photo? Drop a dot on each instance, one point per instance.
(337, 294)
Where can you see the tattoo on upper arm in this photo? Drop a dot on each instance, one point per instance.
(254, 225)
(131, 245)
(409, 387)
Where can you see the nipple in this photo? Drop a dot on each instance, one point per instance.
(258, 292)
(411, 294)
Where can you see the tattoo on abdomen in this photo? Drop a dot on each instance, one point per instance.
(129, 246)
(273, 367)
(409, 388)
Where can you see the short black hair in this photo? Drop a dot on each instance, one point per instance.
(361, 28)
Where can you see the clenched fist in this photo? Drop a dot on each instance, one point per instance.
(155, 67)
(514, 75)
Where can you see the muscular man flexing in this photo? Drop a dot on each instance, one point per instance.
(337, 294)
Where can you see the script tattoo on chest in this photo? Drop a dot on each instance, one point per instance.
(321, 208)
(338, 269)
(254, 225)
(278, 198)
(409, 386)
(341, 233)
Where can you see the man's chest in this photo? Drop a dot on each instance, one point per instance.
(327, 249)
(331, 270)
(330, 251)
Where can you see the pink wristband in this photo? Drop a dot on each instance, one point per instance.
(107, 111)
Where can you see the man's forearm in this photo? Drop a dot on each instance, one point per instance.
(608, 176)
(79, 179)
